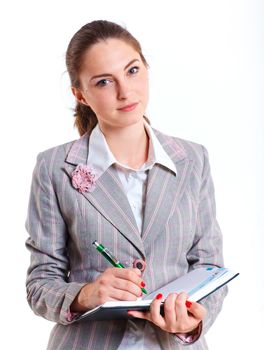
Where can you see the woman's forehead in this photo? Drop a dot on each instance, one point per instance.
(110, 54)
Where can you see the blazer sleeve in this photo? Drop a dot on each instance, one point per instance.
(207, 246)
(49, 294)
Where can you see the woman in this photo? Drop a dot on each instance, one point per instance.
(146, 196)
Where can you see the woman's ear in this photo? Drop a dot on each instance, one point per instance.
(79, 95)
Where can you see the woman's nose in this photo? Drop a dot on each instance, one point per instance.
(123, 90)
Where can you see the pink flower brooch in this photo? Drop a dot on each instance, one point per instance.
(84, 178)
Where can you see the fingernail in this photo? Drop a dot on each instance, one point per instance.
(159, 296)
(142, 284)
(188, 303)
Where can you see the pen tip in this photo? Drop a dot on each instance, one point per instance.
(95, 243)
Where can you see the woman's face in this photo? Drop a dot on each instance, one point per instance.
(114, 83)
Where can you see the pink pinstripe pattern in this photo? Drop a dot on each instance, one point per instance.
(168, 342)
(92, 336)
(151, 182)
(116, 250)
(176, 149)
(107, 342)
(38, 235)
(78, 150)
(99, 233)
(63, 339)
(77, 336)
(39, 231)
(177, 193)
(166, 250)
(180, 236)
(54, 334)
(131, 254)
(100, 207)
(118, 208)
(151, 265)
(53, 225)
(164, 187)
(116, 180)
(78, 239)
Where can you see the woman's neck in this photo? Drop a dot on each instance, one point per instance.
(129, 145)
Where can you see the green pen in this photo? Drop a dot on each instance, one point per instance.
(109, 256)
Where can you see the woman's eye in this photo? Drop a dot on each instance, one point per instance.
(102, 82)
(134, 70)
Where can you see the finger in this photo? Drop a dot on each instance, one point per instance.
(180, 307)
(155, 315)
(108, 285)
(133, 275)
(141, 281)
(139, 314)
(185, 320)
(123, 279)
(137, 271)
(132, 272)
(197, 310)
(121, 289)
(170, 314)
(125, 287)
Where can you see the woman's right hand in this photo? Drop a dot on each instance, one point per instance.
(113, 284)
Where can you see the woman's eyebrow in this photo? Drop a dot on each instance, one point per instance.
(107, 74)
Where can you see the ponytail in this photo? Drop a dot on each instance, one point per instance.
(85, 118)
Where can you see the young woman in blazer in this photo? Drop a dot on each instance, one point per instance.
(146, 196)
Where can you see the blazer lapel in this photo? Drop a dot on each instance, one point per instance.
(164, 190)
(108, 196)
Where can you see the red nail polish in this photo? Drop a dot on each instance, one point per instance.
(142, 284)
(159, 296)
(188, 303)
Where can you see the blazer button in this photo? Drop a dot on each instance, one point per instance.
(140, 264)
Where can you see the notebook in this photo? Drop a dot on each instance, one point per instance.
(198, 284)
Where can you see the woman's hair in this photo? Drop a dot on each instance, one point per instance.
(90, 34)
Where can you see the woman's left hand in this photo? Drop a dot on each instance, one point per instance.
(178, 318)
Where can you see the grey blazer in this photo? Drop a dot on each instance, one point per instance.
(180, 232)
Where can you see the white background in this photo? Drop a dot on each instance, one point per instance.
(206, 69)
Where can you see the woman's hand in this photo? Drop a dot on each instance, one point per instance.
(113, 284)
(178, 318)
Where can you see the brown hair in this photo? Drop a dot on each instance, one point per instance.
(88, 35)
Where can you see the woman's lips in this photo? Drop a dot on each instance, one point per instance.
(128, 108)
